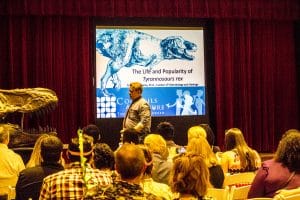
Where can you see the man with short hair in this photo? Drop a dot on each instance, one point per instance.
(11, 164)
(30, 180)
(167, 131)
(138, 115)
(130, 136)
(72, 182)
(93, 131)
(130, 165)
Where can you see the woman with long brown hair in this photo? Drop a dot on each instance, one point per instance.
(238, 157)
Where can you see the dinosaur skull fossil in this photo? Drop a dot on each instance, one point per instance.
(28, 100)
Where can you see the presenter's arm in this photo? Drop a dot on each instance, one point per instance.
(145, 116)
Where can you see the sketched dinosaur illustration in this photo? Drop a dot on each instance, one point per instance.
(127, 48)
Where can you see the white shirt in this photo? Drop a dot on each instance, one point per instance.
(11, 164)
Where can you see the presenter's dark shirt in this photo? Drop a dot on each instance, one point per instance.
(31, 179)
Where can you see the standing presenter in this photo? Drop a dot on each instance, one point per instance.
(138, 115)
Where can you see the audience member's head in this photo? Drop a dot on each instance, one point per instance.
(233, 138)
(51, 149)
(249, 158)
(210, 136)
(196, 132)
(130, 135)
(148, 159)
(35, 157)
(73, 152)
(288, 150)
(103, 156)
(129, 161)
(156, 145)
(189, 175)
(200, 146)
(93, 131)
(166, 130)
(288, 132)
(4, 134)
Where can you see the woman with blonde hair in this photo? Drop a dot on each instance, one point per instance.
(200, 146)
(189, 177)
(35, 157)
(161, 166)
(238, 157)
(148, 184)
(196, 132)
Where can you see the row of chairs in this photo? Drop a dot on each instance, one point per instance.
(236, 187)
(229, 193)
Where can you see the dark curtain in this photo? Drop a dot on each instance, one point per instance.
(52, 52)
(256, 81)
(50, 44)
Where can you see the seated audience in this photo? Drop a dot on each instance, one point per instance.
(130, 165)
(196, 132)
(148, 184)
(35, 157)
(200, 146)
(93, 131)
(11, 164)
(238, 157)
(210, 137)
(103, 157)
(166, 130)
(70, 183)
(189, 177)
(130, 135)
(161, 166)
(281, 172)
(31, 179)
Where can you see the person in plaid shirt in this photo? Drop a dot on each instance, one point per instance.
(69, 183)
(130, 166)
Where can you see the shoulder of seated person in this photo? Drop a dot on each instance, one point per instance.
(229, 153)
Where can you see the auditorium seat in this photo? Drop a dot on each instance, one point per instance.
(239, 193)
(218, 194)
(239, 179)
(24, 152)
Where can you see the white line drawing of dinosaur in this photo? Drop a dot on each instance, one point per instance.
(127, 48)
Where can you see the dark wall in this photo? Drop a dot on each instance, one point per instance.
(297, 46)
(110, 128)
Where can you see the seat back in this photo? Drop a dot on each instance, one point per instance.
(239, 179)
(218, 194)
(239, 193)
(24, 152)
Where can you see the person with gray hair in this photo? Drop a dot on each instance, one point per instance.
(11, 163)
(130, 164)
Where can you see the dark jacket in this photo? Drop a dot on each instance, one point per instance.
(31, 179)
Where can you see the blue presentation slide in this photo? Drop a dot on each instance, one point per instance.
(168, 62)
